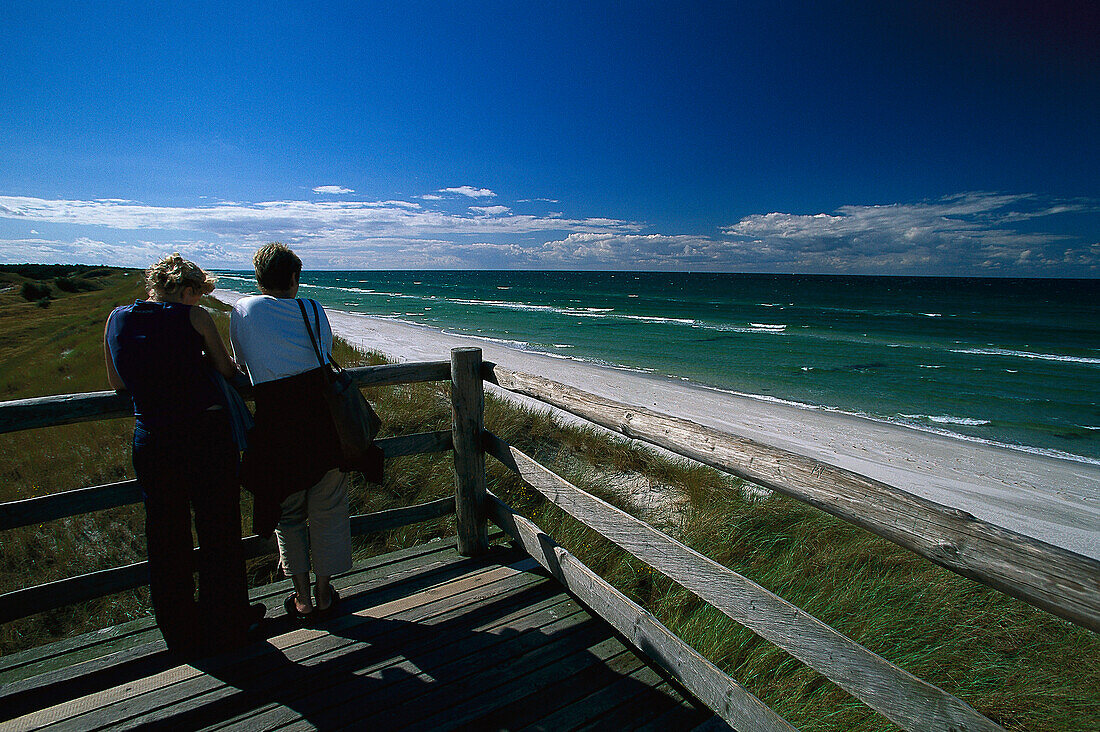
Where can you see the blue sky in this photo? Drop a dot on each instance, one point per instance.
(949, 138)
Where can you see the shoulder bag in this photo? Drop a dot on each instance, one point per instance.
(355, 420)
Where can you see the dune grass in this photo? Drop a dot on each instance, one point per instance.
(1021, 667)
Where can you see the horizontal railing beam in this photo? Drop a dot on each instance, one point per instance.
(898, 695)
(40, 509)
(712, 686)
(71, 590)
(1059, 581)
(401, 373)
(393, 518)
(51, 411)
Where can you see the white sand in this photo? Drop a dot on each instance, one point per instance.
(1052, 499)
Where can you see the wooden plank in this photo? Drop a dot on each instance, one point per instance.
(14, 514)
(1049, 577)
(702, 678)
(30, 600)
(93, 678)
(40, 509)
(426, 651)
(401, 373)
(440, 649)
(71, 590)
(893, 692)
(25, 414)
(388, 577)
(633, 711)
(675, 718)
(413, 703)
(394, 517)
(443, 631)
(527, 684)
(378, 568)
(420, 443)
(639, 696)
(49, 411)
(553, 687)
(197, 696)
(467, 415)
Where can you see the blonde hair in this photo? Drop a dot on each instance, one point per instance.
(173, 273)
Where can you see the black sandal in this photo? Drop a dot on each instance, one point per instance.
(294, 613)
(331, 603)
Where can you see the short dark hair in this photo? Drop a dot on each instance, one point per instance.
(276, 264)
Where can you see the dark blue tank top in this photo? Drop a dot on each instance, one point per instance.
(158, 354)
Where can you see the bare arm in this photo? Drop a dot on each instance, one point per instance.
(112, 375)
(212, 342)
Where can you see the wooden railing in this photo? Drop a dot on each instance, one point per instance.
(50, 411)
(1051, 578)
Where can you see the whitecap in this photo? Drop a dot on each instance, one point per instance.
(948, 419)
(1027, 354)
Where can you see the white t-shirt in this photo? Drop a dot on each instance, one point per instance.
(270, 340)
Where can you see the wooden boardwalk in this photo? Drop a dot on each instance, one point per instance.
(423, 639)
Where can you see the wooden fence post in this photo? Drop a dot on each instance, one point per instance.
(467, 420)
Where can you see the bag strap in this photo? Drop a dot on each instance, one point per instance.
(309, 329)
(317, 320)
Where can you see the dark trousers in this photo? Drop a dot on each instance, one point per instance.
(193, 465)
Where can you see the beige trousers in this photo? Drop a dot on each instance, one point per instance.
(315, 525)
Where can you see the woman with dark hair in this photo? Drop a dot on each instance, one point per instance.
(290, 465)
(161, 351)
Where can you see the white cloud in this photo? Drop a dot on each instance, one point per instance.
(490, 210)
(469, 191)
(333, 189)
(632, 251)
(431, 197)
(964, 233)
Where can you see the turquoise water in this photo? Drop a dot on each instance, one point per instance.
(1014, 362)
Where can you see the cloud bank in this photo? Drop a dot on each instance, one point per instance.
(969, 233)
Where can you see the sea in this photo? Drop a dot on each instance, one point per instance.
(1014, 362)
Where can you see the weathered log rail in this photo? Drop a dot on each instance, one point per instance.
(1057, 580)
(1051, 578)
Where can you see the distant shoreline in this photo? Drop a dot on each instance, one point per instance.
(1053, 499)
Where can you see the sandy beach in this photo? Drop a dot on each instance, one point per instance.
(1051, 499)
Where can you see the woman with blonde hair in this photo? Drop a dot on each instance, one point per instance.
(161, 350)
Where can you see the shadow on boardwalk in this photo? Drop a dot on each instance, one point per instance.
(461, 644)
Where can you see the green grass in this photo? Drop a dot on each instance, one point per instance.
(1021, 667)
